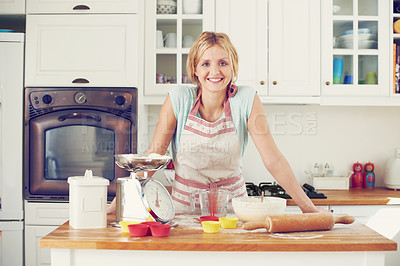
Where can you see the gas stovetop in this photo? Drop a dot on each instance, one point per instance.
(275, 190)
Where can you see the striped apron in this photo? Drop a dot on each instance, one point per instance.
(209, 155)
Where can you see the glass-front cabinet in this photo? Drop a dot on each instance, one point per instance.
(171, 28)
(355, 48)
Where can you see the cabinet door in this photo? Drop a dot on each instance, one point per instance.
(355, 48)
(82, 50)
(384, 219)
(294, 47)
(35, 256)
(78, 6)
(12, 6)
(11, 121)
(246, 25)
(11, 243)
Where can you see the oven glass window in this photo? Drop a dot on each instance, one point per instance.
(71, 150)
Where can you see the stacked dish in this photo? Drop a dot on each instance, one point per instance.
(366, 39)
(166, 7)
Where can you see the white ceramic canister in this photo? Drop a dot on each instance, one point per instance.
(88, 201)
(392, 173)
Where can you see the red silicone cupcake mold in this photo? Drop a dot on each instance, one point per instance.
(137, 230)
(151, 223)
(160, 230)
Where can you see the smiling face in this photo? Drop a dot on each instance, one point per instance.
(214, 70)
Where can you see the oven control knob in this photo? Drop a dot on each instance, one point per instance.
(120, 100)
(47, 99)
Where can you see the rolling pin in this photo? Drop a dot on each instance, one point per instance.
(299, 222)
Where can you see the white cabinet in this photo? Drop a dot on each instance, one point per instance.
(355, 48)
(78, 6)
(35, 256)
(383, 219)
(165, 63)
(294, 47)
(278, 42)
(41, 219)
(12, 6)
(82, 50)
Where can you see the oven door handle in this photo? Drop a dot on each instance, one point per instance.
(79, 115)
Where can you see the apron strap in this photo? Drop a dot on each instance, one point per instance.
(227, 108)
(195, 184)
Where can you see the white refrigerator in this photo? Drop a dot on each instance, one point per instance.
(11, 141)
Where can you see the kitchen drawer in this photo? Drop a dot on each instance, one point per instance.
(79, 7)
(82, 51)
(46, 213)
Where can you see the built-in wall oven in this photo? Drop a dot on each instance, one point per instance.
(69, 130)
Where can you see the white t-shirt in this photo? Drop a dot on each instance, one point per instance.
(183, 98)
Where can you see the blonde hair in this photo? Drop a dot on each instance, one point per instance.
(206, 40)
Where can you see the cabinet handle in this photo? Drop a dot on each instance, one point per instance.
(327, 83)
(262, 82)
(80, 80)
(274, 82)
(81, 7)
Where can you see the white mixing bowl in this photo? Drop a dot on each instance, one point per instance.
(251, 209)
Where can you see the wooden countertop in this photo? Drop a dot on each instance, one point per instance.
(189, 236)
(376, 196)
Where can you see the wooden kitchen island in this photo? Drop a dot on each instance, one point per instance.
(354, 244)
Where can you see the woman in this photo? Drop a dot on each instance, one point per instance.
(209, 126)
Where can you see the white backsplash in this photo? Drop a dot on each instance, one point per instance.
(309, 134)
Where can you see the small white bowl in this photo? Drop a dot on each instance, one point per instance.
(361, 36)
(362, 44)
(251, 209)
(166, 7)
(366, 44)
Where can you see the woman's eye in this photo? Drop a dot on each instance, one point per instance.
(223, 63)
(205, 64)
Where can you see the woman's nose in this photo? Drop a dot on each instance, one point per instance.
(215, 69)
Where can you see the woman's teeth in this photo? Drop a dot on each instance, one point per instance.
(215, 79)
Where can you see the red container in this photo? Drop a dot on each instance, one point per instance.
(208, 218)
(150, 224)
(160, 230)
(137, 230)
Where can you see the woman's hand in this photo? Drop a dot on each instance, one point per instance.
(112, 208)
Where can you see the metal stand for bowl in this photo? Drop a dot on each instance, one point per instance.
(141, 198)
